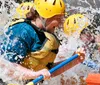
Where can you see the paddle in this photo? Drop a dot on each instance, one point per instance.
(35, 81)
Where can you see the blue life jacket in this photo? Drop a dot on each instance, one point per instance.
(30, 46)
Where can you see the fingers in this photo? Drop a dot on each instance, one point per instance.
(32, 75)
(45, 73)
(82, 50)
(81, 53)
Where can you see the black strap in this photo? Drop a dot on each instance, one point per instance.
(39, 31)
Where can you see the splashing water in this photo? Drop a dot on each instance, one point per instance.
(7, 10)
(77, 74)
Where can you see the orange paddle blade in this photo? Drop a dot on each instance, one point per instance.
(93, 79)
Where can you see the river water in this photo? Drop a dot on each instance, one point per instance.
(77, 74)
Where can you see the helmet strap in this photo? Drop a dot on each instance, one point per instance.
(43, 22)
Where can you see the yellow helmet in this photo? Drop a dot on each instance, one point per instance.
(75, 23)
(23, 9)
(49, 8)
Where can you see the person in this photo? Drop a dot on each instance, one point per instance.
(79, 25)
(31, 45)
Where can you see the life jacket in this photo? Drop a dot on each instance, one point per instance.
(44, 57)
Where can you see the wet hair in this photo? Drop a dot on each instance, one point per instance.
(32, 15)
(96, 19)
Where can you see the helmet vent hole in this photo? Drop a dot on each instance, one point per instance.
(79, 17)
(38, 3)
(60, 4)
(67, 22)
(45, 0)
(28, 7)
(21, 6)
(74, 21)
(54, 2)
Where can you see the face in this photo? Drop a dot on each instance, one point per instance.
(86, 38)
(55, 21)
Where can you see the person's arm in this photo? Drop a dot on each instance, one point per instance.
(71, 64)
(17, 72)
(27, 74)
(16, 49)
